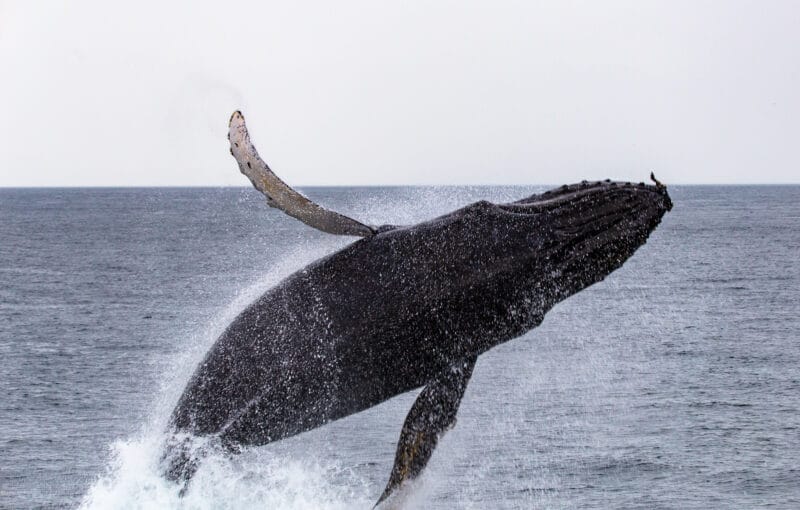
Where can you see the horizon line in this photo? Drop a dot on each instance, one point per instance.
(244, 186)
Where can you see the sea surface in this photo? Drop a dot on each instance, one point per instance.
(675, 383)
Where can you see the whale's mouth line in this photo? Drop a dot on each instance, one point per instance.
(574, 212)
(586, 195)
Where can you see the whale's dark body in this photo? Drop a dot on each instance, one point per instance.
(404, 308)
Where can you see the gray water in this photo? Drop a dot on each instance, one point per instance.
(675, 383)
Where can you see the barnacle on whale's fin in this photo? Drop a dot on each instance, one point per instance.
(279, 194)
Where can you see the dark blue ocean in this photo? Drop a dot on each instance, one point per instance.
(675, 383)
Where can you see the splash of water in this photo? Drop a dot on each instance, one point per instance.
(261, 478)
(257, 479)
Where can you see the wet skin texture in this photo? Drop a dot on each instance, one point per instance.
(394, 311)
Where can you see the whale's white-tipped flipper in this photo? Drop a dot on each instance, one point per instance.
(279, 194)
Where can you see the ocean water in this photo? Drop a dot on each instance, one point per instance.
(675, 383)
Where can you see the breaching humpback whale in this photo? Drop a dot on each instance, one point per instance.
(401, 308)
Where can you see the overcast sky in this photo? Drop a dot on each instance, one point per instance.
(342, 93)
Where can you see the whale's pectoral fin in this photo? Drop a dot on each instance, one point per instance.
(279, 194)
(433, 413)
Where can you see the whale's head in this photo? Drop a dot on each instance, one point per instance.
(489, 272)
(515, 260)
(574, 236)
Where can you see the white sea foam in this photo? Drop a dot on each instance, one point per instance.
(259, 479)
